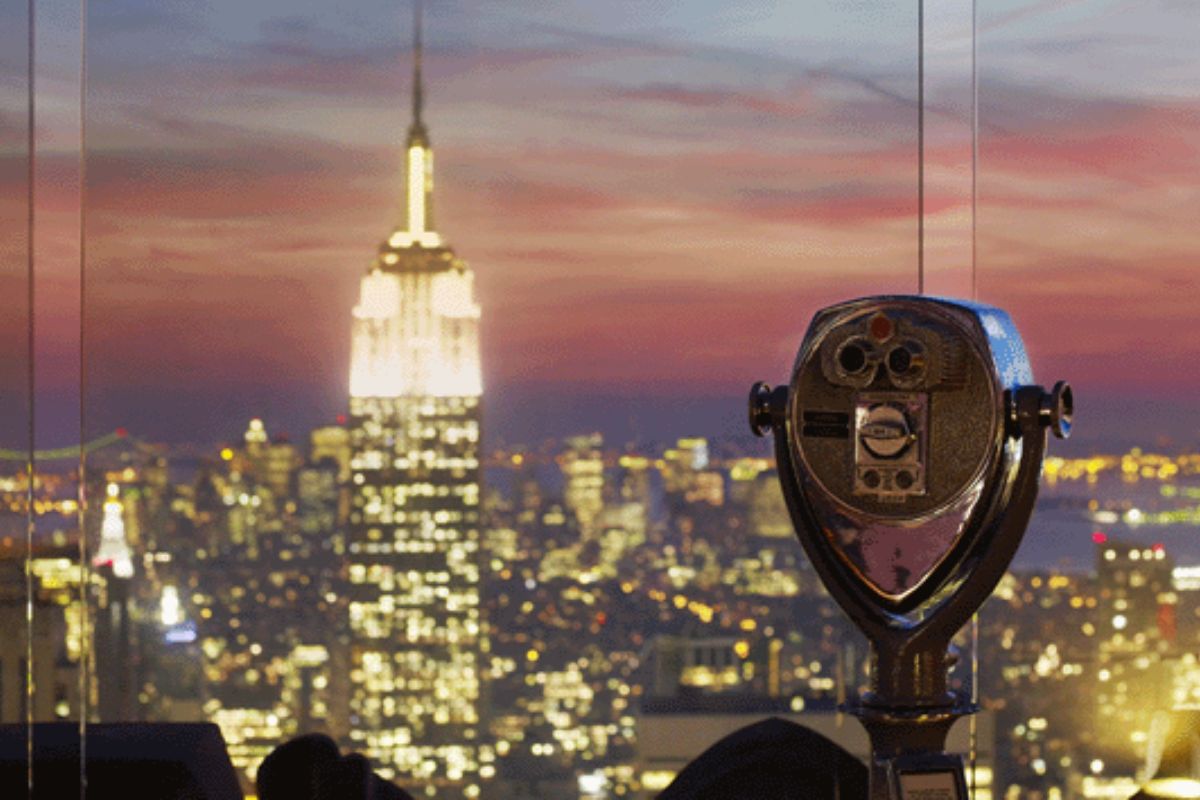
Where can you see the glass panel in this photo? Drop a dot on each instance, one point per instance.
(296, 525)
(245, 165)
(17, 629)
(59, 575)
(1088, 195)
(227, 234)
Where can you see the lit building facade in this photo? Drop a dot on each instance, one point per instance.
(417, 639)
(56, 638)
(1136, 671)
(583, 476)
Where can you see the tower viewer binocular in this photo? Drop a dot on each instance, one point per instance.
(909, 443)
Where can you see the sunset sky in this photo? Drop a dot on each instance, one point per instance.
(655, 197)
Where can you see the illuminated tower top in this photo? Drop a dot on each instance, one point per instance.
(114, 550)
(416, 322)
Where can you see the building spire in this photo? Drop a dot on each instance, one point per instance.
(417, 130)
(419, 180)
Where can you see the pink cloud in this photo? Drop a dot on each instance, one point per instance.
(713, 99)
(641, 252)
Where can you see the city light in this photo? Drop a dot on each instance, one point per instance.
(170, 613)
(114, 550)
(1181, 788)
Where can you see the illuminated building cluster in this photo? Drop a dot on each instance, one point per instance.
(661, 566)
(1134, 466)
(1089, 661)
(508, 642)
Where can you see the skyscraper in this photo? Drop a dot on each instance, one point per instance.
(417, 639)
(583, 473)
(1135, 657)
(113, 628)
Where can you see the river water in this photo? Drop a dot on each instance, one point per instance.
(1060, 533)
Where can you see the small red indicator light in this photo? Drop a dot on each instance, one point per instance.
(1099, 537)
(122, 433)
(1158, 547)
(341, 419)
(881, 328)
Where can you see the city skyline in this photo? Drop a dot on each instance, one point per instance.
(228, 183)
(669, 567)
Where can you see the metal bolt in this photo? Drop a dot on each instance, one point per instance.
(760, 416)
(1057, 410)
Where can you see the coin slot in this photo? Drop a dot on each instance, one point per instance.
(886, 432)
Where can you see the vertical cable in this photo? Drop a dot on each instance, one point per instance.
(840, 672)
(920, 146)
(973, 723)
(85, 650)
(974, 147)
(30, 466)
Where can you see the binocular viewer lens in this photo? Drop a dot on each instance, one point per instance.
(900, 360)
(858, 359)
(852, 358)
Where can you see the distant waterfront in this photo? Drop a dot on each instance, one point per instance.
(1060, 534)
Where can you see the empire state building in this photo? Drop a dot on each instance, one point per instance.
(417, 638)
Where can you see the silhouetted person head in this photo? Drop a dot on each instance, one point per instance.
(771, 760)
(310, 767)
